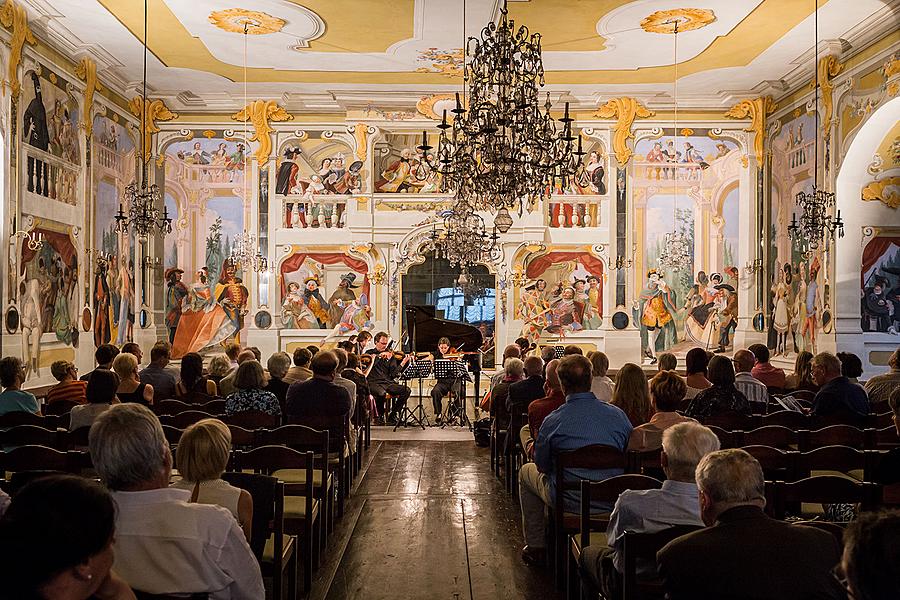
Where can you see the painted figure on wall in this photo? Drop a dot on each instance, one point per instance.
(880, 285)
(727, 314)
(656, 315)
(315, 302)
(295, 314)
(32, 327)
(36, 134)
(784, 312)
(402, 168)
(308, 279)
(533, 309)
(176, 292)
(102, 333)
(312, 172)
(813, 306)
(232, 296)
(341, 298)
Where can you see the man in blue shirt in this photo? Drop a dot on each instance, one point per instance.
(582, 421)
(837, 395)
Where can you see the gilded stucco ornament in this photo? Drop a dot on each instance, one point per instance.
(153, 111)
(233, 20)
(756, 110)
(829, 67)
(886, 191)
(361, 133)
(626, 110)
(14, 18)
(259, 113)
(87, 72)
(688, 19)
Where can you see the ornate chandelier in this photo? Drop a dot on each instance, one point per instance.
(503, 149)
(465, 240)
(143, 215)
(245, 254)
(816, 224)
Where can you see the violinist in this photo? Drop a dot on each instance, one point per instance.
(383, 373)
(445, 385)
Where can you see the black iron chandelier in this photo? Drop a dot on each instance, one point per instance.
(143, 213)
(816, 226)
(503, 150)
(465, 241)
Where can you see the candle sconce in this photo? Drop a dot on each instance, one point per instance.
(33, 239)
(753, 267)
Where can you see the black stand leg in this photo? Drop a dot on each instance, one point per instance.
(406, 417)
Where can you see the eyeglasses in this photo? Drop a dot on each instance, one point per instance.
(838, 573)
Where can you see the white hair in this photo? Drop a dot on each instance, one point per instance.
(514, 367)
(128, 446)
(278, 364)
(685, 444)
(731, 476)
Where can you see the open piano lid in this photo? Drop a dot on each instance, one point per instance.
(425, 330)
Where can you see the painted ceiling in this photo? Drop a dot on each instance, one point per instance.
(325, 54)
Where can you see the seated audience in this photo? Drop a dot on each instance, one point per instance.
(203, 452)
(69, 387)
(250, 393)
(514, 371)
(722, 397)
(511, 351)
(157, 375)
(313, 350)
(540, 408)
(278, 366)
(572, 349)
(667, 362)
(166, 544)
(771, 376)
(632, 394)
(130, 387)
(232, 351)
(300, 371)
(851, 366)
(101, 394)
(191, 380)
(103, 355)
(754, 390)
(524, 346)
(887, 471)
(601, 385)
(522, 393)
(801, 378)
(13, 398)
(226, 385)
(257, 353)
(319, 396)
(341, 356)
(666, 392)
(582, 421)
(56, 542)
(880, 387)
(354, 373)
(696, 365)
(649, 511)
(219, 367)
(870, 566)
(836, 395)
(133, 348)
(742, 553)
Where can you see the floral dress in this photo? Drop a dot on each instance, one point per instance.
(254, 399)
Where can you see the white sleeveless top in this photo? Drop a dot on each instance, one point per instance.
(216, 491)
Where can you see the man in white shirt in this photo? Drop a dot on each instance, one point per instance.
(164, 543)
(754, 389)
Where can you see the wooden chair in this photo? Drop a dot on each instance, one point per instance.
(880, 420)
(252, 419)
(173, 434)
(643, 547)
(776, 464)
(145, 596)
(214, 406)
(275, 551)
(805, 395)
(31, 435)
(60, 407)
(785, 418)
(198, 398)
(338, 428)
(776, 436)
(886, 438)
(41, 458)
(20, 417)
(184, 419)
(644, 462)
(301, 509)
(833, 435)
(823, 489)
(732, 421)
(841, 461)
(726, 438)
(242, 439)
(172, 407)
(513, 452)
(77, 438)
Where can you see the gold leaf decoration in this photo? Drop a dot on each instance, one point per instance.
(209, 134)
(233, 20)
(361, 133)
(87, 72)
(14, 18)
(626, 110)
(757, 110)
(259, 113)
(886, 191)
(828, 67)
(151, 112)
(663, 21)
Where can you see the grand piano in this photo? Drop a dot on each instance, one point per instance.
(425, 329)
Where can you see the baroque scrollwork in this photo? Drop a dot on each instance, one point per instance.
(625, 110)
(259, 113)
(756, 109)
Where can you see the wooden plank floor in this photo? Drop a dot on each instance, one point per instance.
(428, 520)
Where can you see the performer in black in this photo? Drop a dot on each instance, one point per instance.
(37, 135)
(383, 375)
(444, 385)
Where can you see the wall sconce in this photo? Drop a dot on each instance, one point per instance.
(33, 239)
(623, 263)
(753, 267)
(101, 260)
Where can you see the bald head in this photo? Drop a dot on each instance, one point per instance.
(744, 361)
(551, 378)
(245, 355)
(534, 365)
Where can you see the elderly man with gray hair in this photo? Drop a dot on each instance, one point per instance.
(742, 553)
(649, 511)
(164, 543)
(837, 395)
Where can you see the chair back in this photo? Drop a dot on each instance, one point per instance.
(21, 417)
(833, 435)
(25, 435)
(35, 458)
(77, 438)
(776, 436)
(731, 421)
(823, 489)
(726, 438)
(172, 407)
(214, 406)
(608, 490)
(641, 461)
(185, 419)
(337, 426)
(886, 437)
(252, 419)
(644, 546)
(297, 437)
(831, 458)
(775, 462)
(785, 418)
(198, 397)
(60, 407)
(880, 420)
(805, 395)
(263, 489)
(242, 438)
(593, 457)
(173, 434)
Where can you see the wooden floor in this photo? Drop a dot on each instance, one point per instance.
(428, 520)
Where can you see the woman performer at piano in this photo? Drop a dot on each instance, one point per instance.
(383, 373)
(444, 385)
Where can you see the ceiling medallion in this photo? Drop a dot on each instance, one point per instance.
(234, 19)
(662, 21)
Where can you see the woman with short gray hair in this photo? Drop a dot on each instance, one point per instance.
(278, 366)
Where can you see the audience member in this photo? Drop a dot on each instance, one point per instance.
(851, 366)
(548, 353)
(514, 371)
(511, 351)
(319, 396)
(249, 391)
(880, 387)
(836, 395)
(133, 348)
(522, 393)
(300, 371)
(203, 452)
(69, 388)
(667, 362)
(350, 386)
(219, 367)
(870, 565)
(257, 353)
(572, 349)
(742, 553)
(166, 544)
(383, 378)
(226, 386)
(157, 375)
(278, 365)
(801, 378)
(355, 374)
(601, 385)
(887, 471)
(722, 397)
(103, 356)
(632, 394)
(56, 542)
(130, 387)
(763, 371)
(313, 350)
(754, 390)
(232, 351)
(540, 408)
(649, 511)
(13, 398)
(101, 394)
(583, 420)
(524, 346)
(696, 364)
(191, 380)
(666, 392)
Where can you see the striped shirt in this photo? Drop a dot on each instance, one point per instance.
(755, 390)
(75, 391)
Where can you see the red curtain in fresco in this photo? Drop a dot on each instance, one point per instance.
(593, 265)
(872, 252)
(58, 241)
(295, 261)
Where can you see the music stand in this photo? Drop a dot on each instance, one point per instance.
(456, 409)
(415, 369)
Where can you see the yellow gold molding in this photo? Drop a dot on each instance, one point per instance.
(14, 18)
(891, 67)
(361, 133)
(688, 19)
(425, 105)
(151, 112)
(626, 110)
(259, 113)
(756, 110)
(87, 72)
(829, 66)
(875, 192)
(233, 20)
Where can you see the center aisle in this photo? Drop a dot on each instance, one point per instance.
(429, 520)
